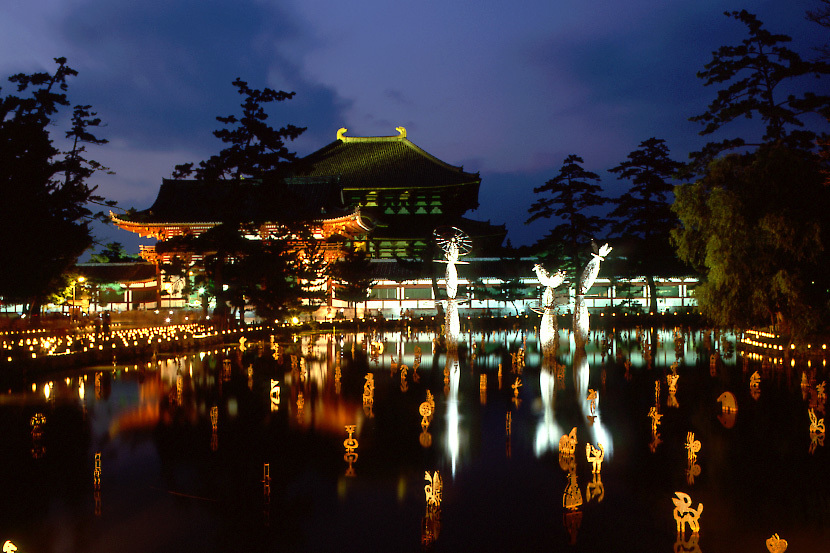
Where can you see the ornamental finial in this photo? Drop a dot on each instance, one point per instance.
(402, 132)
(340, 132)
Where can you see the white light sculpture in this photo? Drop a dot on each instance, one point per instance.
(454, 242)
(581, 322)
(548, 326)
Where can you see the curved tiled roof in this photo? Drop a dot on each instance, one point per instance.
(383, 162)
(191, 201)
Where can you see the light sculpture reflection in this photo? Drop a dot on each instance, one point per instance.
(431, 524)
(548, 326)
(455, 243)
(581, 323)
(453, 417)
(816, 431)
(595, 490)
(275, 394)
(38, 421)
(548, 431)
(598, 431)
(350, 444)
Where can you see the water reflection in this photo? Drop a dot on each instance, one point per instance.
(252, 442)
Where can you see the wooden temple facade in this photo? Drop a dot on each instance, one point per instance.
(382, 194)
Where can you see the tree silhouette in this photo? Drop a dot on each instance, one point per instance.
(45, 218)
(574, 193)
(643, 214)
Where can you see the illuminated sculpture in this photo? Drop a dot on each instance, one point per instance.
(820, 395)
(96, 472)
(684, 514)
(592, 399)
(454, 242)
(369, 395)
(567, 443)
(816, 425)
(728, 402)
(9, 547)
(655, 418)
(595, 456)
(433, 489)
(755, 380)
(776, 544)
(672, 379)
(404, 370)
(581, 324)
(426, 409)
(275, 394)
(548, 326)
(516, 385)
(692, 446)
(350, 444)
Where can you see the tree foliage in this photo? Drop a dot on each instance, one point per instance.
(353, 276)
(757, 78)
(756, 226)
(573, 193)
(45, 220)
(274, 272)
(643, 215)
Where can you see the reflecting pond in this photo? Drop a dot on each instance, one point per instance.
(378, 443)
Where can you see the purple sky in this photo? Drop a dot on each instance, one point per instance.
(507, 89)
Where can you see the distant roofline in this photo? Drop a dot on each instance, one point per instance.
(400, 137)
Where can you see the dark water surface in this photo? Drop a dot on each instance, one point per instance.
(172, 481)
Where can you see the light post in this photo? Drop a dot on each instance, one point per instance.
(75, 282)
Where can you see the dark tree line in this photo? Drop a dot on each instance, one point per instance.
(47, 208)
(751, 216)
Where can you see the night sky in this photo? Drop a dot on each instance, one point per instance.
(507, 89)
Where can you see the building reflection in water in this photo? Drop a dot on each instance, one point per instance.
(179, 395)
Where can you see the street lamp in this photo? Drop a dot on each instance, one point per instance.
(80, 279)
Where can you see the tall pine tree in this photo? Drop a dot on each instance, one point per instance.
(573, 196)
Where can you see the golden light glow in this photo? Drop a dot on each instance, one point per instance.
(433, 489)
(275, 394)
(684, 514)
(350, 444)
(567, 443)
(776, 544)
(692, 446)
(9, 547)
(595, 456)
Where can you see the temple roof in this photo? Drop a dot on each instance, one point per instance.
(191, 201)
(380, 162)
(137, 271)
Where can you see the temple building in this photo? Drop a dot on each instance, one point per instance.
(385, 195)
(404, 191)
(382, 194)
